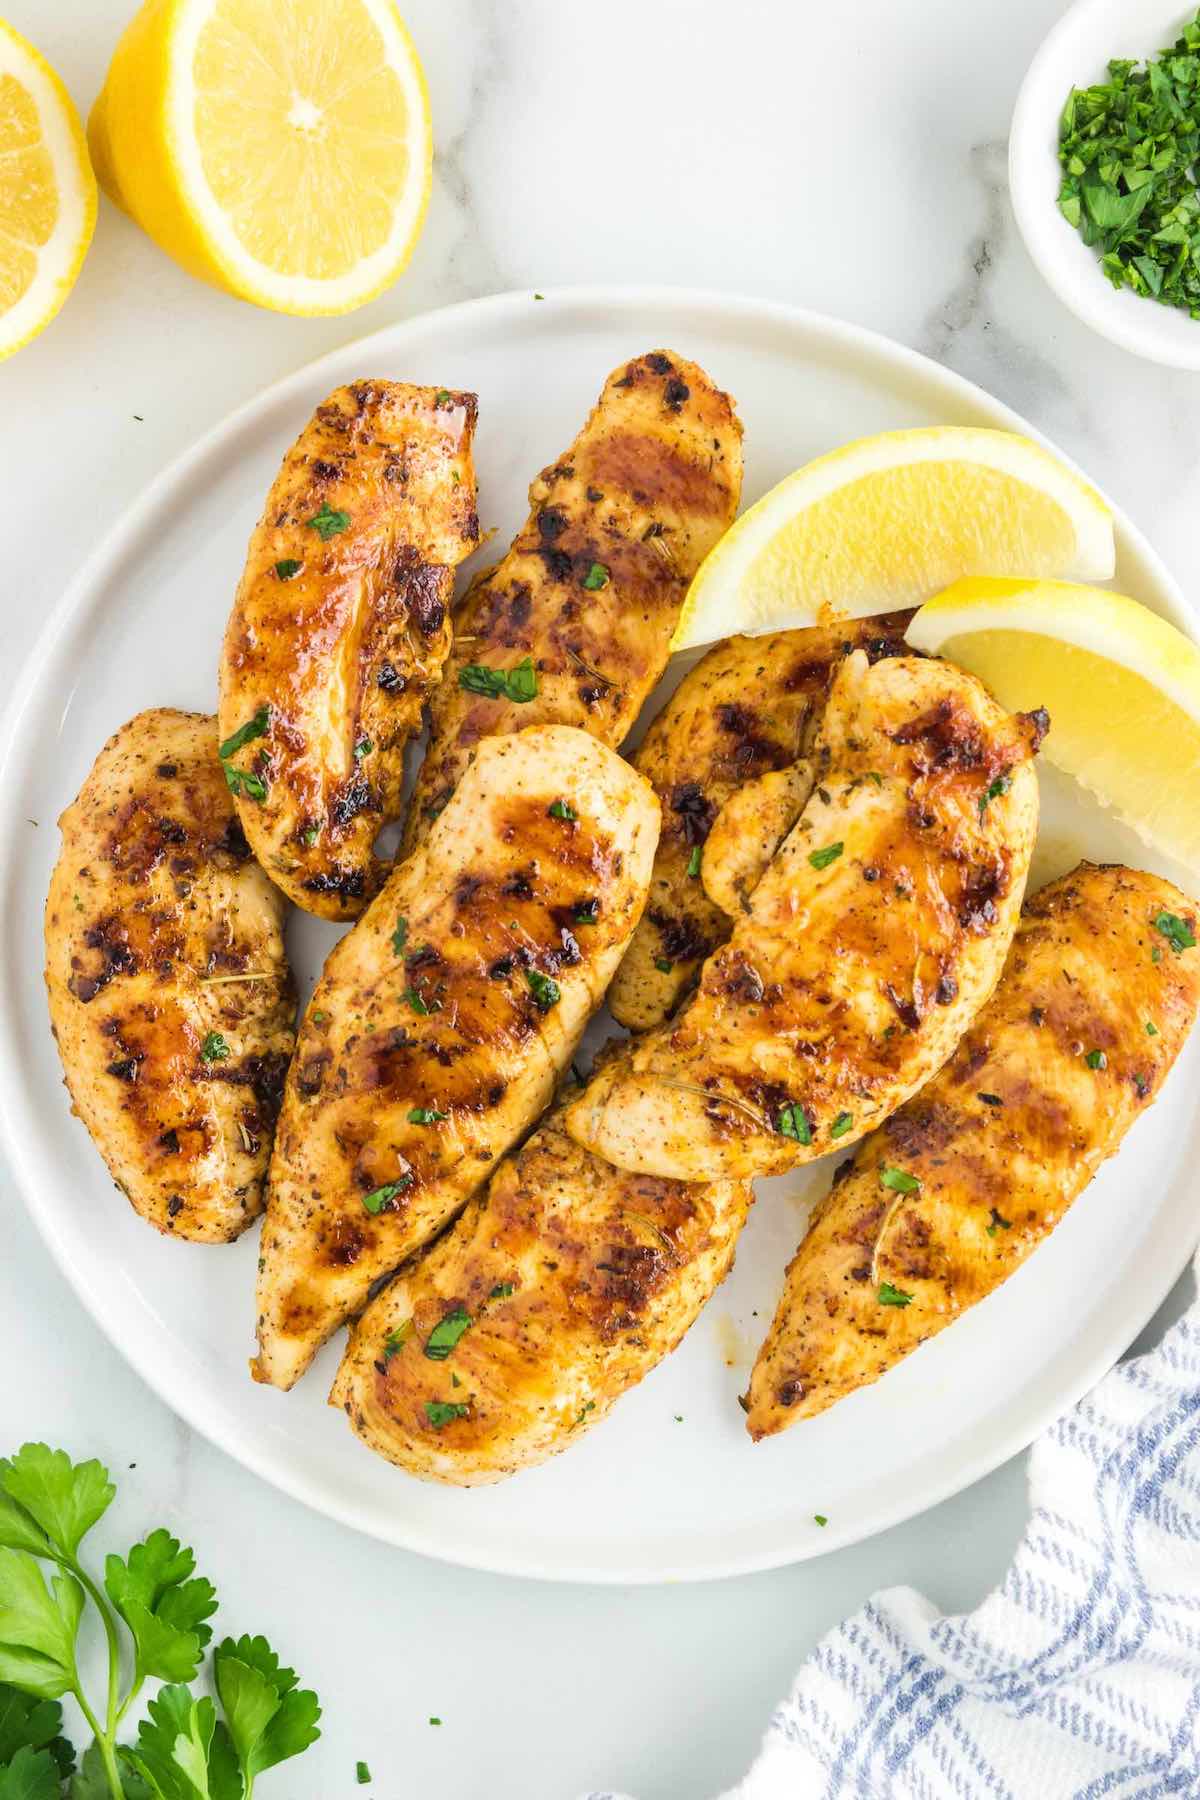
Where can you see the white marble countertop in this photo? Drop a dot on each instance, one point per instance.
(848, 158)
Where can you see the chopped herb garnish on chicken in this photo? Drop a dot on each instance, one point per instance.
(395, 1340)
(999, 1223)
(447, 1332)
(519, 684)
(663, 966)
(362, 1774)
(597, 577)
(545, 990)
(419, 1003)
(442, 398)
(400, 935)
(1151, 1028)
(841, 1125)
(1000, 786)
(821, 859)
(820, 1519)
(288, 567)
(214, 1048)
(587, 912)
(380, 1198)
(439, 1413)
(1176, 931)
(793, 1123)
(425, 1115)
(559, 809)
(327, 523)
(893, 1296)
(694, 861)
(245, 734)
(1096, 1059)
(990, 1099)
(502, 1291)
(899, 1180)
(363, 748)
(238, 781)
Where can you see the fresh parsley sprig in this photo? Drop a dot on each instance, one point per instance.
(153, 1609)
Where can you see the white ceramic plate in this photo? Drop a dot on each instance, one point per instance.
(1076, 53)
(670, 1487)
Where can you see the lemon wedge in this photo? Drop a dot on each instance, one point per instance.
(278, 149)
(1122, 688)
(888, 521)
(47, 192)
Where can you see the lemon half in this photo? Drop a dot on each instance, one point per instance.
(47, 192)
(279, 149)
(888, 521)
(1121, 685)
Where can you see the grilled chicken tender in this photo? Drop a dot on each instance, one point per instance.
(750, 706)
(1073, 1046)
(591, 589)
(441, 1023)
(170, 996)
(561, 1286)
(876, 934)
(339, 631)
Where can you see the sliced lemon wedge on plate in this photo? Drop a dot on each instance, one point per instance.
(1121, 685)
(47, 192)
(280, 150)
(886, 522)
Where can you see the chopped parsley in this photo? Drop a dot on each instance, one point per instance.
(432, 1720)
(447, 1332)
(439, 1413)
(899, 1180)
(1000, 786)
(245, 734)
(214, 1048)
(586, 912)
(560, 810)
(1127, 147)
(893, 1296)
(519, 684)
(419, 1003)
(792, 1123)
(990, 1099)
(1142, 1086)
(309, 836)
(238, 781)
(694, 860)
(1156, 954)
(1176, 931)
(327, 523)
(400, 935)
(841, 1125)
(821, 859)
(663, 966)
(287, 568)
(425, 1115)
(999, 1223)
(1151, 1028)
(395, 1340)
(319, 1018)
(442, 398)
(361, 1774)
(587, 1407)
(503, 1290)
(875, 776)
(381, 1197)
(545, 990)
(596, 577)
(363, 748)
(820, 1519)
(1096, 1059)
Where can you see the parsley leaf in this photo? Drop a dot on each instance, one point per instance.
(270, 1717)
(560, 810)
(362, 1774)
(663, 966)
(519, 684)
(65, 1498)
(501, 1291)
(425, 1115)
(821, 859)
(1000, 786)
(31, 1775)
(245, 734)
(214, 1048)
(694, 861)
(163, 1605)
(287, 568)
(893, 1296)
(587, 912)
(899, 1180)
(32, 1726)
(597, 577)
(419, 1003)
(381, 1197)
(396, 1339)
(181, 1752)
(1176, 931)
(439, 1413)
(1096, 1059)
(238, 781)
(447, 1332)
(820, 1519)
(792, 1123)
(545, 990)
(1151, 1028)
(999, 1223)
(37, 1627)
(327, 523)
(400, 935)
(841, 1125)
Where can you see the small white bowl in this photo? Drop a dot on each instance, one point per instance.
(1076, 54)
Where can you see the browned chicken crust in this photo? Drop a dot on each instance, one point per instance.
(876, 934)
(443, 1021)
(170, 996)
(591, 589)
(1092, 1010)
(561, 1286)
(340, 628)
(749, 707)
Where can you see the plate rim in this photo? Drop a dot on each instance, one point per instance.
(193, 1404)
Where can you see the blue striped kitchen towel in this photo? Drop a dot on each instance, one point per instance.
(1078, 1678)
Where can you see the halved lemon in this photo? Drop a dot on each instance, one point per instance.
(279, 149)
(47, 192)
(1122, 688)
(888, 521)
